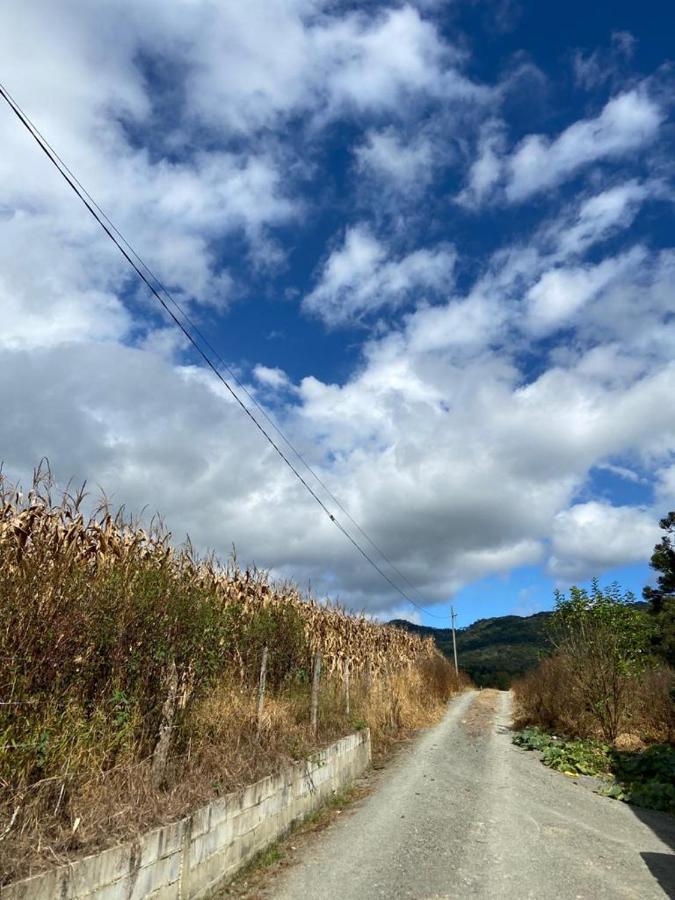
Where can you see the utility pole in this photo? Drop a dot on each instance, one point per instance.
(453, 616)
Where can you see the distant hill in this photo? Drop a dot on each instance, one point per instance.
(492, 651)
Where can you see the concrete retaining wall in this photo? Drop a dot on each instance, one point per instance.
(191, 857)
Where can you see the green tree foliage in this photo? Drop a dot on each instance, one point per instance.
(606, 641)
(662, 597)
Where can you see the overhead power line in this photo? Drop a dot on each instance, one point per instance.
(179, 317)
(233, 375)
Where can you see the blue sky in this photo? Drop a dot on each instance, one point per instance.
(434, 239)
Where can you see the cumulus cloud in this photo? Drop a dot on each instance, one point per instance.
(627, 122)
(261, 62)
(468, 323)
(176, 206)
(590, 537)
(665, 487)
(458, 472)
(465, 430)
(276, 378)
(361, 277)
(49, 296)
(635, 312)
(561, 292)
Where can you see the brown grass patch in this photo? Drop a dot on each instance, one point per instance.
(481, 714)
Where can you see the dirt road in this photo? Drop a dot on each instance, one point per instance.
(463, 813)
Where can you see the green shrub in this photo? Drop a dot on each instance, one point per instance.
(605, 640)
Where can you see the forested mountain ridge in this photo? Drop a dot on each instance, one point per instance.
(492, 651)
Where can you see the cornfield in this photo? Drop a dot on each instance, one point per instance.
(100, 614)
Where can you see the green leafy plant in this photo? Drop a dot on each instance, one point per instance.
(577, 757)
(645, 778)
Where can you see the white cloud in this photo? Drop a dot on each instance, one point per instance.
(492, 560)
(406, 166)
(601, 215)
(276, 378)
(627, 122)
(486, 170)
(376, 64)
(468, 323)
(49, 294)
(174, 211)
(560, 293)
(635, 312)
(361, 277)
(458, 439)
(594, 69)
(232, 70)
(260, 62)
(458, 471)
(665, 488)
(589, 538)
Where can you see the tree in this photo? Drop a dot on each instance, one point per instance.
(662, 597)
(605, 640)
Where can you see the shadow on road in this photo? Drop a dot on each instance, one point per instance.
(661, 865)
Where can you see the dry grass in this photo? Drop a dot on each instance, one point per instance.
(96, 615)
(547, 697)
(652, 712)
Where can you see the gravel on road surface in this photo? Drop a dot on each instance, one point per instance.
(463, 813)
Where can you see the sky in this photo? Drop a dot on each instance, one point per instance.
(433, 239)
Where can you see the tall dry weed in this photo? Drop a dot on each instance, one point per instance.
(651, 712)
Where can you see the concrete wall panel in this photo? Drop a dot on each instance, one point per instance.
(190, 858)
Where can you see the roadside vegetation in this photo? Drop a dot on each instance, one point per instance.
(646, 777)
(130, 670)
(602, 702)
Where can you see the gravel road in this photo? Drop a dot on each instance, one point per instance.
(464, 813)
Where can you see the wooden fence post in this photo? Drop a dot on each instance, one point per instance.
(161, 751)
(347, 688)
(261, 690)
(314, 708)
